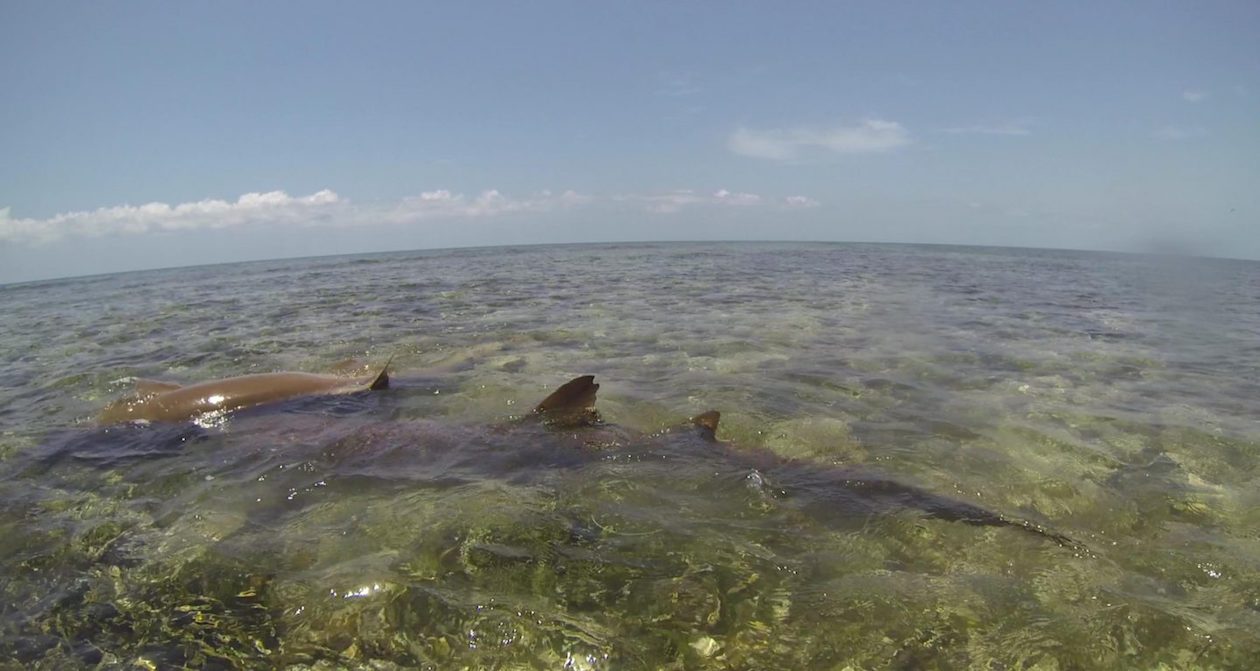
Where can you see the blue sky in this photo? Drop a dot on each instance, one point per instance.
(140, 135)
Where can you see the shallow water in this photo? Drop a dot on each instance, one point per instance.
(1109, 398)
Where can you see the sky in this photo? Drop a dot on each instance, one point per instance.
(157, 134)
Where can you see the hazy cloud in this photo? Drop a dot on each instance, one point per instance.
(676, 85)
(673, 201)
(800, 201)
(724, 197)
(1177, 133)
(1006, 128)
(784, 144)
(1194, 96)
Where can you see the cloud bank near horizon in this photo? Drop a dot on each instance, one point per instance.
(680, 199)
(272, 206)
(327, 208)
(785, 144)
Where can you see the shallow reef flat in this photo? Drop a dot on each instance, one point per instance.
(1107, 397)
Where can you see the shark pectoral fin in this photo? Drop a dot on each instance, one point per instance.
(573, 401)
(381, 381)
(708, 423)
(153, 387)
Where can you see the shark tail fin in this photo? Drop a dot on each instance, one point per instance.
(1062, 540)
(574, 400)
(381, 381)
(708, 423)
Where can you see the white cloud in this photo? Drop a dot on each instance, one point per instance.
(1177, 133)
(1006, 128)
(1194, 96)
(326, 208)
(724, 197)
(800, 201)
(445, 204)
(784, 144)
(272, 207)
(673, 201)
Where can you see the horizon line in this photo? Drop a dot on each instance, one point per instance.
(1155, 254)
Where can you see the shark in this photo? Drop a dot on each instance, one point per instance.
(156, 401)
(820, 490)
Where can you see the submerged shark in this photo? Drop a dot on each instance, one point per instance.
(821, 490)
(830, 491)
(562, 432)
(168, 402)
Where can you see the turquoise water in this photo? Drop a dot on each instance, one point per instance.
(1109, 398)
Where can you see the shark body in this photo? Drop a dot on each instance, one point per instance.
(168, 402)
(821, 491)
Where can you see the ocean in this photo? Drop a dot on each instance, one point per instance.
(1109, 398)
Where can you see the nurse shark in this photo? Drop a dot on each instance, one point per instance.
(169, 402)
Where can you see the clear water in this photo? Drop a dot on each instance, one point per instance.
(1111, 398)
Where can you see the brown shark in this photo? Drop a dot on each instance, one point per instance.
(168, 402)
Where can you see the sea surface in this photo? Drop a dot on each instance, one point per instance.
(1111, 399)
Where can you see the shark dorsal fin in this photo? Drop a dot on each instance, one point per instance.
(573, 396)
(154, 387)
(381, 381)
(708, 423)
(574, 400)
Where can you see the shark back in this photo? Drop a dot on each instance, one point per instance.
(168, 402)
